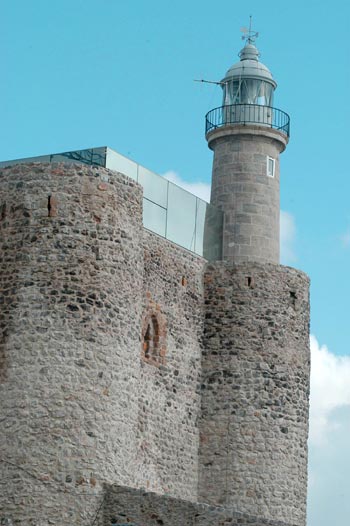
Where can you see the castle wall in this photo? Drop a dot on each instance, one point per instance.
(84, 404)
(255, 386)
(169, 402)
(81, 405)
(130, 507)
(71, 288)
(248, 196)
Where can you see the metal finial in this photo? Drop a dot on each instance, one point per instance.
(249, 34)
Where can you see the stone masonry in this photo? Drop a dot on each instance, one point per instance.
(130, 507)
(79, 407)
(138, 383)
(169, 401)
(255, 387)
(69, 339)
(244, 191)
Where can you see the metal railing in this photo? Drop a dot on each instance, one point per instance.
(247, 114)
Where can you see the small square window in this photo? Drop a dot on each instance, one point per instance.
(270, 167)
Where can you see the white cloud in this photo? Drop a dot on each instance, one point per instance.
(287, 237)
(329, 460)
(330, 390)
(201, 190)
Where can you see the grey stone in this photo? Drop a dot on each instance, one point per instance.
(244, 186)
(86, 421)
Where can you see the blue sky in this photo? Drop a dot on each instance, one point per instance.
(83, 73)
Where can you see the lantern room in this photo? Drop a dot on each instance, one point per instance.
(248, 81)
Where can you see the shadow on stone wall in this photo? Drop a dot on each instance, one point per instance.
(131, 507)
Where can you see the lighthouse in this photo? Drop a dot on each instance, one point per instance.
(256, 359)
(247, 134)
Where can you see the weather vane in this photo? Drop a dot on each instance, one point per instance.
(249, 35)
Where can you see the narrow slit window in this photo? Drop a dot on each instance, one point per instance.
(3, 212)
(153, 339)
(149, 344)
(271, 166)
(293, 298)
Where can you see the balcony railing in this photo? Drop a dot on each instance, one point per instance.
(247, 114)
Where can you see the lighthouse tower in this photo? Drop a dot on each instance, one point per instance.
(247, 135)
(255, 365)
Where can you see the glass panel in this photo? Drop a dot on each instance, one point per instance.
(181, 217)
(261, 94)
(200, 223)
(248, 91)
(155, 187)
(251, 90)
(154, 217)
(268, 94)
(92, 156)
(231, 93)
(265, 96)
(119, 163)
(41, 159)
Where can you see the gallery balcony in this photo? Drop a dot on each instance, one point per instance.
(247, 114)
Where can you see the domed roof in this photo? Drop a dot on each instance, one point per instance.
(249, 66)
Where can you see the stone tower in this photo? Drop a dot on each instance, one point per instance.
(253, 453)
(69, 339)
(247, 134)
(141, 384)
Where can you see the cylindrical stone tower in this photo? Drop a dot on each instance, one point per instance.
(71, 271)
(247, 134)
(243, 188)
(255, 384)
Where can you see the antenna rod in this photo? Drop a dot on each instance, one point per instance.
(209, 81)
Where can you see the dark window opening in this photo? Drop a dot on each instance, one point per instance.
(293, 297)
(3, 212)
(249, 282)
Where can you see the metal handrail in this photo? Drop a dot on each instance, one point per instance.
(247, 114)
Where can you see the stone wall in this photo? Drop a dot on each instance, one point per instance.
(129, 507)
(255, 386)
(71, 284)
(168, 393)
(244, 191)
(80, 405)
(101, 364)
